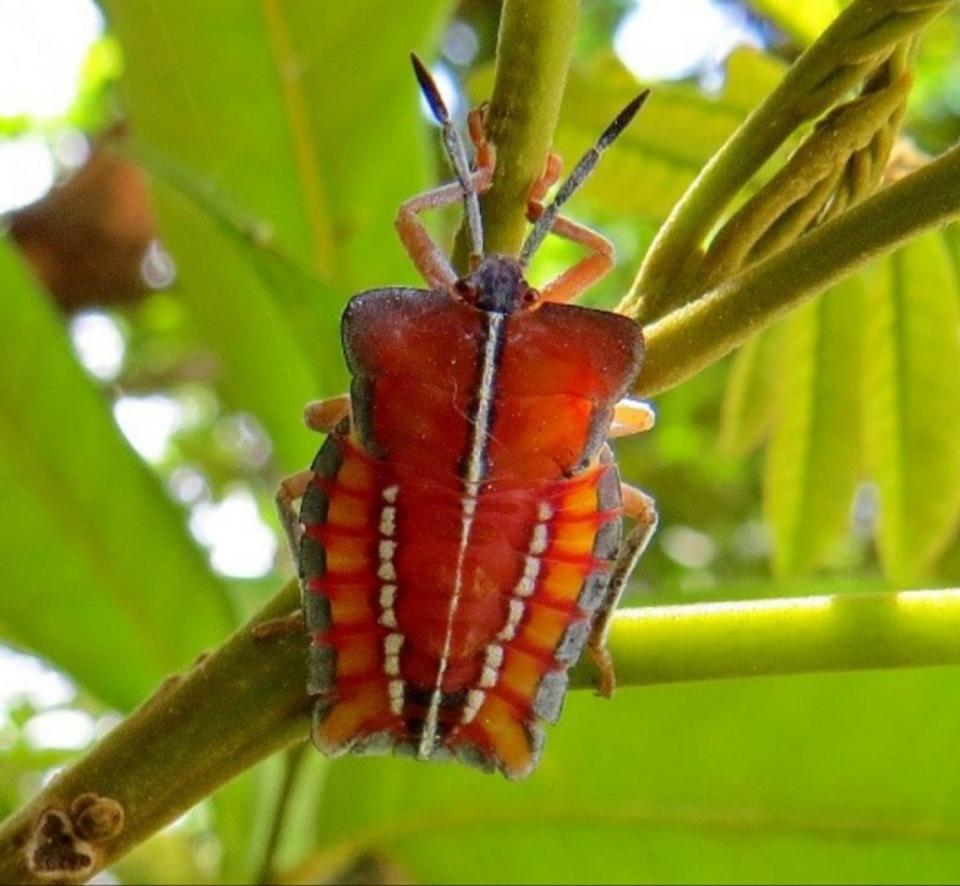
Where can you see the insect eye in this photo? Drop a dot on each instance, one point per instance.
(531, 296)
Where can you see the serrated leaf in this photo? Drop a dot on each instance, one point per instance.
(912, 404)
(100, 575)
(750, 397)
(813, 462)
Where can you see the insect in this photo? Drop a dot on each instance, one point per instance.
(459, 532)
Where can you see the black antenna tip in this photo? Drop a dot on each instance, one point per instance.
(430, 91)
(622, 120)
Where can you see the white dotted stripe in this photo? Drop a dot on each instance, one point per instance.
(514, 615)
(475, 699)
(491, 666)
(388, 521)
(393, 642)
(398, 691)
(387, 572)
(528, 581)
(493, 659)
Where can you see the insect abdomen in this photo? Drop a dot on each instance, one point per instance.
(378, 584)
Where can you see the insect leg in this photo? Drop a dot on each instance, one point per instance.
(324, 415)
(641, 508)
(589, 269)
(290, 490)
(427, 257)
(484, 154)
(631, 417)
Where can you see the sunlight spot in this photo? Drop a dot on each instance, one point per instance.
(778, 605)
(27, 171)
(24, 678)
(71, 148)
(241, 545)
(43, 46)
(188, 485)
(688, 547)
(70, 730)
(240, 437)
(105, 724)
(460, 43)
(98, 343)
(671, 39)
(148, 423)
(929, 599)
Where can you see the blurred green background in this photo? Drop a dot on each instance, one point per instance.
(191, 193)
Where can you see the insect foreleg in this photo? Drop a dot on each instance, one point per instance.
(589, 269)
(641, 508)
(428, 258)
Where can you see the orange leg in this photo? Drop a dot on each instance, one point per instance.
(589, 269)
(641, 508)
(428, 258)
(631, 417)
(291, 489)
(324, 415)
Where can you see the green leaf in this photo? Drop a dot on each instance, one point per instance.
(100, 575)
(279, 162)
(273, 105)
(911, 396)
(242, 302)
(804, 22)
(750, 398)
(243, 814)
(813, 463)
(779, 780)
(677, 132)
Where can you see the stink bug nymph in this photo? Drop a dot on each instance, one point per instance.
(459, 534)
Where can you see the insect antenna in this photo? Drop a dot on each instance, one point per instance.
(456, 152)
(578, 175)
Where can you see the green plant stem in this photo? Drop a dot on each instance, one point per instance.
(247, 700)
(841, 632)
(533, 54)
(858, 40)
(696, 335)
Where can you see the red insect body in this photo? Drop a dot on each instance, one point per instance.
(444, 616)
(459, 537)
